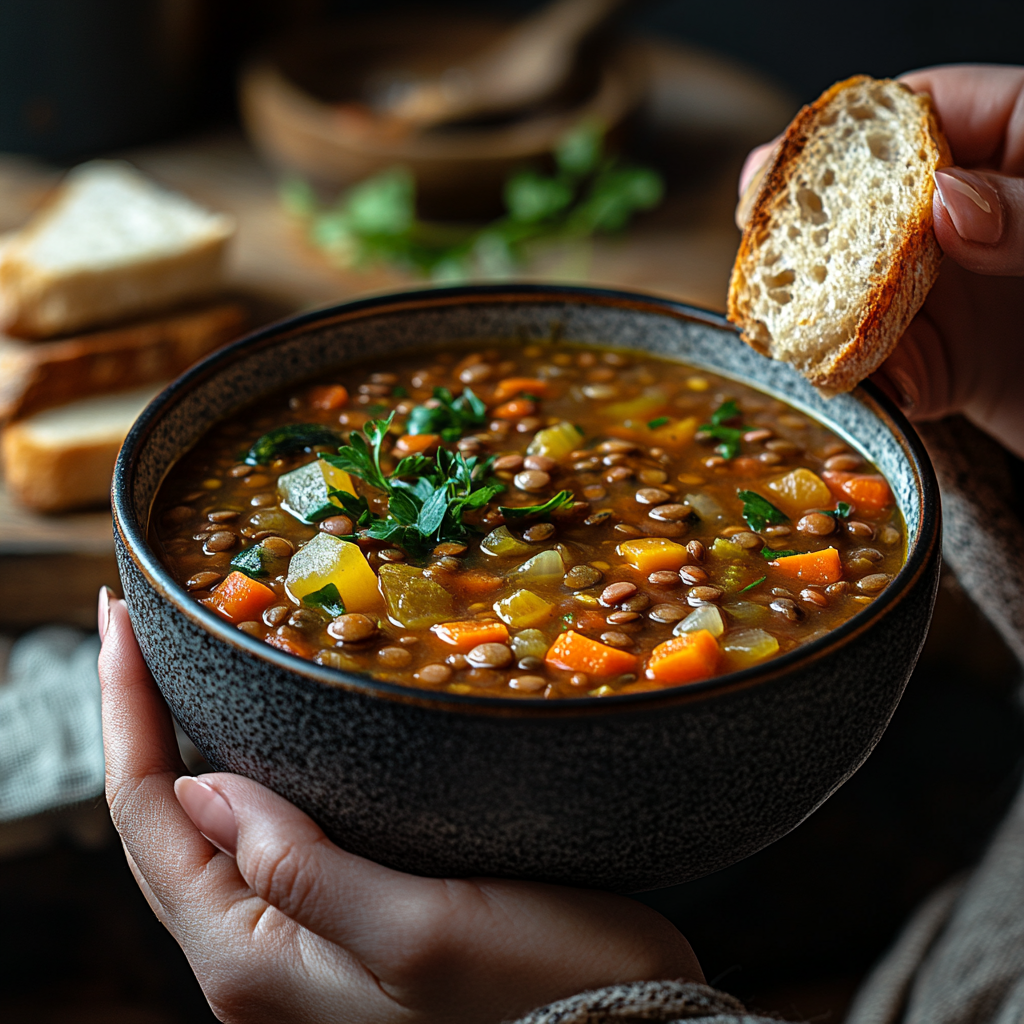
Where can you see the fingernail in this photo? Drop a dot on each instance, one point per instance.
(103, 610)
(209, 811)
(972, 203)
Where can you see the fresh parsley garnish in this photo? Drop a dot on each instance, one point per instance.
(251, 562)
(756, 583)
(841, 511)
(450, 417)
(326, 599)
(427, 498)
(400, 392)
(659, 421)
(759, 512)
(560, 500)
(770, 554)
(729, 436)
(288, 439)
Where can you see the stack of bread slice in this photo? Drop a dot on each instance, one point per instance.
(110, 291)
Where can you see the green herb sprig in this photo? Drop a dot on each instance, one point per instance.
(770, 554)
(759, 512)
(450, 417)
(729, 436)
(560, 500)
(326, 599)
(750, 586)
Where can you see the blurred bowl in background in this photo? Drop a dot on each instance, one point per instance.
(301, 105)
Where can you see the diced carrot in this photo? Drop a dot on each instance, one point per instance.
(476, 583)
(591, 621)
(515, 409)
(416, 444)
(238, 598)
(285, 643)
(812, 566)
(511, 387)
(868, 492)
(649, 554)
(746, 466)
(466, 635)
(684, 659)
(576, 653)
(328, 396)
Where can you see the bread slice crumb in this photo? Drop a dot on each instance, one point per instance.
(838, 251)
(109, 244)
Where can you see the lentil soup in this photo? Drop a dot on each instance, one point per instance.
(542, 520)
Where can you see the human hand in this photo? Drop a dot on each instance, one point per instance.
(279, 924)
(964, 351)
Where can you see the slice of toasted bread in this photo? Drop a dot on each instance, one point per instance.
(838, 251)
(64, 458)
(37, 375)
(110, 244)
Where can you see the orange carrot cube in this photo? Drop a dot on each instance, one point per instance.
(238, 598)
(512, 387)
(467, 635)
(328, 396)
(867, 492)
(684, 659)
(811, 566)
(576, 653)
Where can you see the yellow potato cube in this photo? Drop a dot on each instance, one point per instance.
(326, 559)
(523, 610)
(649, 554)
(555, 442)
(677, 433)
(798, 491)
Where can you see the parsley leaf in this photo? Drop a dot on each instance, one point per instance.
(756, 583)
(759, 512)
(729, 436)
(450, 417)
(770, 554)
(288, 439)
(560, 500)
(841, 511)
(361, 456)
(251, 562)
(326, 599)
(659, 421)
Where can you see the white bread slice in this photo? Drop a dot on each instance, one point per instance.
(63, 458)
(838, 251)
(37, 375)
(109, 244)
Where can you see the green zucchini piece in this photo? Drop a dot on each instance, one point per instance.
(291, 438)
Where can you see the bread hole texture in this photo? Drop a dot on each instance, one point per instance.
(835, 231)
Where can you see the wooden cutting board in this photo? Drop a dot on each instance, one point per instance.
(700, 117)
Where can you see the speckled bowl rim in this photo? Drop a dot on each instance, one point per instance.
(132, 532)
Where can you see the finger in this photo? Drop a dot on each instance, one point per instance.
(979, 220)
(981, 110)
(142, 762)
(758, 161)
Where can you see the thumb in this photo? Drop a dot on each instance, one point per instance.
(979, 220)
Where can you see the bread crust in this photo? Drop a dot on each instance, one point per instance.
(894, 301)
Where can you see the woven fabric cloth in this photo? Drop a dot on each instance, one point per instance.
(51, 744)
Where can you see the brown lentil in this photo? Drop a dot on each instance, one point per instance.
(532, 480)
(222, 540)
(664, 578)
(817, 524)
(615, 593)
(353, 628)
(490, 656)
(203, 580)
(704, 595)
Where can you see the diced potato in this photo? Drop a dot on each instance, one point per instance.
(747, 647)
(676, 433)
(707, 617)
(523, 610)
(545, 567)
(649, 554)
(413, 600)
(502, 543)
(327, 559)
(556, 442)
(304, 491)
(798, 491)
(638, 411)
(529, 643)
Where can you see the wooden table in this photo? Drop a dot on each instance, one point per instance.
(700, 117)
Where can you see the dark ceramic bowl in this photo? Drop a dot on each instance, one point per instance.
(627, 792)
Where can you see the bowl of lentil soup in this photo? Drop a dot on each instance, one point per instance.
(541, 582)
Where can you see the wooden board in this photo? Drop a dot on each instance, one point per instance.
(700, 117)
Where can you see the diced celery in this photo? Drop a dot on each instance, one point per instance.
(529, 643)
(725, 548)
(800, 490)
(304, 491)
(748, 647)
(327, 559)
(705, 506)
(706, 616)
(502, 543)
(414, 600)
(745, 611)
(523, 610)
(555, 442)
(545, 567)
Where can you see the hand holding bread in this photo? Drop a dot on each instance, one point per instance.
(963, 351)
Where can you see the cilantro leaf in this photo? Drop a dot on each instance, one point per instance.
(750, 586)
(450, 417)
(770, 554)
(759, 512)
(326, 599)
(288, 439)
(251, 562)
(659, 421)
(560, 500)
